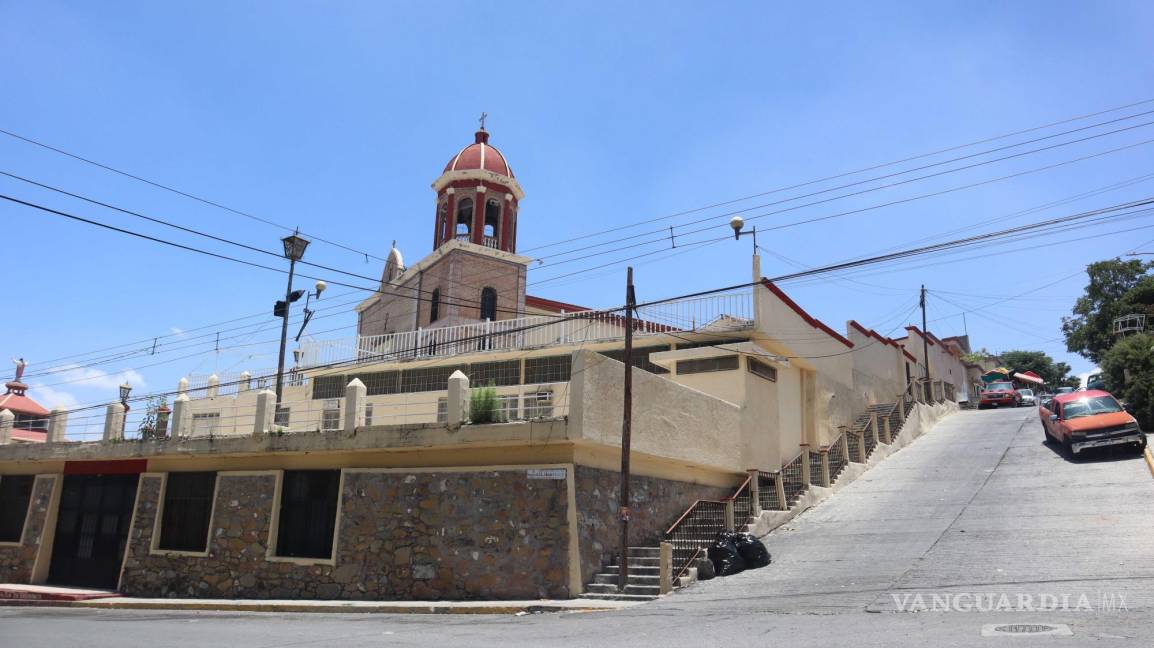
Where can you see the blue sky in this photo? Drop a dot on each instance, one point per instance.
(336, 117)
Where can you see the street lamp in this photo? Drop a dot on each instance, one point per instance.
(294, 249)
(125, 390)
(737, 223)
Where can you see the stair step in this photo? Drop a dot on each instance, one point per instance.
(639, 562)
(634, 579)
(607, 588)
(653, 570)
(618, 597)
(645, 552)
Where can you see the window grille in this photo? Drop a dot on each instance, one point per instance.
(308, 513)
(488, 303)
(497, 374)
(380, 383)
(331, 416)
(442, 410)
(706, 365)
(282, 416)
(640, 357)
(548, 369)
(368, 414)
(507, 407)
(759, 368)
(187, 509)
(539, 405)
(426, 379)
(205, 423)
(329, 387)
(15, 494)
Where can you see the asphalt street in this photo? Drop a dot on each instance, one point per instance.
(974, 525)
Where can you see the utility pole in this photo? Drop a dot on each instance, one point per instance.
(626, 431)
(925, 340)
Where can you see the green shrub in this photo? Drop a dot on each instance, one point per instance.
(483, 405)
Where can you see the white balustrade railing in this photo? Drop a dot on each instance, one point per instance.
(730, 311)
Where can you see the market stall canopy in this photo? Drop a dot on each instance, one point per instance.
(1030, 377)
(1001, 373)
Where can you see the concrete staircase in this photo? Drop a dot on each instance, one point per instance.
(644, 578)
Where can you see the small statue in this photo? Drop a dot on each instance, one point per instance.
(20, 365)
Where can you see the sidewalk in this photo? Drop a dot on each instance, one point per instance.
(44, 598)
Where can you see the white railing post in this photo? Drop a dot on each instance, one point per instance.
(245, 382)
(114, 422)
(265, 412)
(57, 424)
(7, 420)
(213, 388)
(355, 393)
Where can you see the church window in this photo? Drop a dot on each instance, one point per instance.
(488, 304)
(442, 218)
(492, 217)
(464, 217)
(435, 305)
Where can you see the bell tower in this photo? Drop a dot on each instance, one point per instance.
(477, 197)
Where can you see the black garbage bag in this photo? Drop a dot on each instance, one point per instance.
(705, 569)
(751, 550)
(724, 556)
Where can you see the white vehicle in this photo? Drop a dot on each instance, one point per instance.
(1028, 398)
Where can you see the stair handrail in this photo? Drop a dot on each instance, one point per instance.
(724, 501)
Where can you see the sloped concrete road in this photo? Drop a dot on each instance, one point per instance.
(976, 524)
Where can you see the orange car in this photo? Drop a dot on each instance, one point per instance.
(1089, 419)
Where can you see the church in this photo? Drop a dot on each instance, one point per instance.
(466, 443)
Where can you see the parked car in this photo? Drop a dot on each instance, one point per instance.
(1027, 398)
(1065, 390)
(1090, 419)
(999, 394)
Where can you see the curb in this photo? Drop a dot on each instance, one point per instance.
(322, 608)
(1149, 460)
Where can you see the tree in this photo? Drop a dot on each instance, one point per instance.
(1116, 288)
(1054, 373)
(1128, 368)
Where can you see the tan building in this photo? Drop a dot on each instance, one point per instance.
(376, 478)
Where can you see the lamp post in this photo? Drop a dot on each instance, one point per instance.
(294, 249)
(737, 223)
(125, 390)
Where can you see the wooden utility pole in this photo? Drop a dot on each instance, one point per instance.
(925, 343)
(626, 431)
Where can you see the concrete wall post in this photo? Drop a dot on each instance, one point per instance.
(729, 515)
(7, 420)
(213, 389)
(57, 424)
(355, 393)
(873, 429)
(458, 406)
(265, 412)
(666, 564)
(754, 492)
(182, 386)
(779, 486)
(245, 382)
(181, 417)
(114, 422)
(887, 431)
(825, 467)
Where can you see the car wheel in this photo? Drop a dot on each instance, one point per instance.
(1068, 448)
(1045, 435)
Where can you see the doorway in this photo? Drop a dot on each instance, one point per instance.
(92, 530)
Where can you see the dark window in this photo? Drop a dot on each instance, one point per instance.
(759, 368)
(187, 509)
(442, 218)
(492, 217)
(488, 304)
(547, 370)
(435, 305)
(31, 422)
(329, 386)
(308, 513)
(379, 382)
(709, 343)
(15, 493)
(282, 416)
(498, 374)
(705, 365)
(640, 357)
(465, 217)
(426, 379)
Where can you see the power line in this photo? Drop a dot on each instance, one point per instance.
(848, 173)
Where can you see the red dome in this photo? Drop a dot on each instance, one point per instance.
(480, 155)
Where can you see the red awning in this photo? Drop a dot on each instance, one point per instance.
(1030, 377)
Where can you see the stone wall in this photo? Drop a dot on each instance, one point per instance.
(655, 505)
(16, 563)
(402, 536)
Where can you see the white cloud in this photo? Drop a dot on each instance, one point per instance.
(52, 398)
(177, 331)
(89, 377)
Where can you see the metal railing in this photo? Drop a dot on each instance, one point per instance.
(816, 466)
(725, 312)
(693, 532)
(793, 480)
(767, 494)
(836, 457)
(854, 445)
